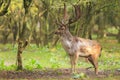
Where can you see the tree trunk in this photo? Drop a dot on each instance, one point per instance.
(21, 47)
(14, 33)
(37, 40)
(19, 57)
(5, 5)
(90, 34)
(88, 18)
(5, 35)
(101, 26)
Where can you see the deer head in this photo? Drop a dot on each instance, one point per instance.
(63, 28)
(65, 23)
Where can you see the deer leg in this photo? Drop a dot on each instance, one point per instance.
(75, 61)
(87, 60)
(96, 65)
(91, 61)
(71, 61)
(94, 62)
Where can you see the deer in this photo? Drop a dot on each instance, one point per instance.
(77, 47)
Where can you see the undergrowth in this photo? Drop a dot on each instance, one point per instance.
(55, 58)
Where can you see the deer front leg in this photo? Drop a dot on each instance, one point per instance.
(75, 61)
(71, 61)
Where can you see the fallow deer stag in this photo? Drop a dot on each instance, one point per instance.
(77, 47)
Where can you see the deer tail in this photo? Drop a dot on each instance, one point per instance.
(100, 52)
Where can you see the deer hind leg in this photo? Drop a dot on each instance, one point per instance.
(87, 60)
(94, 62)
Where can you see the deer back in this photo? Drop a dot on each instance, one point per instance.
(80, 46)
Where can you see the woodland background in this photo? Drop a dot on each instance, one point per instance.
(31, 24)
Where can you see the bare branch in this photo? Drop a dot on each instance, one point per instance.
(5, 8)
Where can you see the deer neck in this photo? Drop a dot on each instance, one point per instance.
(67, 41)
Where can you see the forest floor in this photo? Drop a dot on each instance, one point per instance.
(53, 64)
(59, 74)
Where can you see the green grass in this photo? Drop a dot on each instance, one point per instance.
(110, 55)
(33, 56)
(56, 57)
(108, 78)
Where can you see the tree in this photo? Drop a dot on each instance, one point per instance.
(22, 29)
(4, 5)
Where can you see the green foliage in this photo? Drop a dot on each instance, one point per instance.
(55, 58)
(33, 64)
(2, 65)
(26, 5)
(4, 5)
(5, 67)
(81, 76)
(47, 12)
(55, 62)
(112, 30)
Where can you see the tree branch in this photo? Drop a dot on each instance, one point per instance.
(4, 9)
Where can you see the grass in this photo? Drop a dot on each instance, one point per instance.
(56, 57)
(44, 57)
(108, 78)
(110, 55)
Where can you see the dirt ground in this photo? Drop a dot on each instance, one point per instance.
(63, 74)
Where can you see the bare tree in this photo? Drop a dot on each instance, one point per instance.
(22, 32)
(4, 4)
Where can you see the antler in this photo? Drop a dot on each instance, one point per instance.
(65, 16)
(77, 14)
(59, 22)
